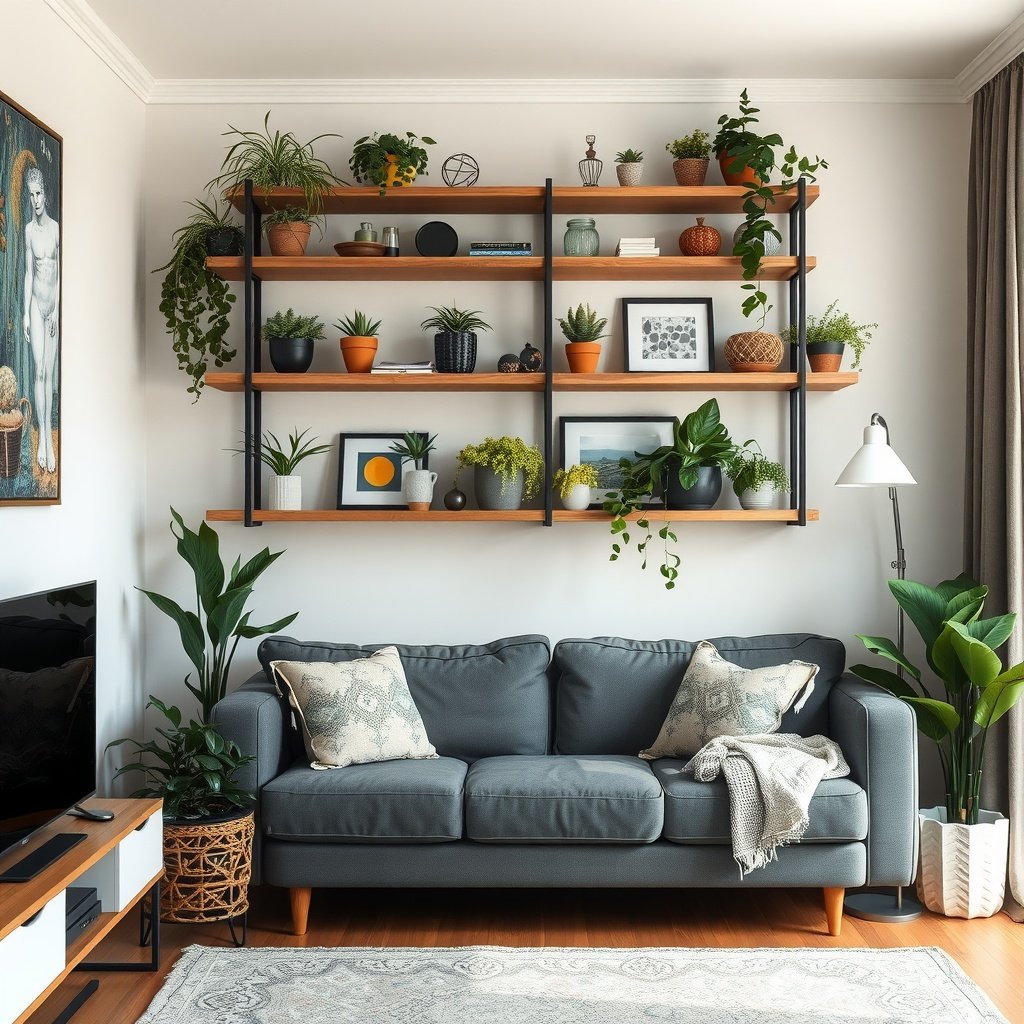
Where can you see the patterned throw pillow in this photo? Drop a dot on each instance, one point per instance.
(717, 698)
(354, 712)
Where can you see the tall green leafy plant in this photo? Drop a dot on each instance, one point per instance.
(210, 634)
(960, 649)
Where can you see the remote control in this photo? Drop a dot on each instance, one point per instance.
(91, 813)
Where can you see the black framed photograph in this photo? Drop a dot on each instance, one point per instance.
(668, 335)
(31, 208)
(369, 473)
(600, 441)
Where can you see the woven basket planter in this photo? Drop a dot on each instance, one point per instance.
(754, 352)
(12, 426)
(690, 170)
(207, 866)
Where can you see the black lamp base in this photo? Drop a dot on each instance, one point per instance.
(888, 906)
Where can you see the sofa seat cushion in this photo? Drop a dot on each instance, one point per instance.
(601, 799)
(698, 812)
(417, 801)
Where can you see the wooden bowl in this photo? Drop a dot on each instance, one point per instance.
(359, 248)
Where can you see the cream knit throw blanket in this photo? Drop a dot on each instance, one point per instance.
(771, 780)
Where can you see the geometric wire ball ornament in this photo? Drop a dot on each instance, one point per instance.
(460, 169)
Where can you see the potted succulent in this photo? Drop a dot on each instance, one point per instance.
(505, 470)
(358, 341)
(691, 156)
(755, 478)
(455, 337)
(629, 167)
(195, 302)
(388, 160)
(686, 474)
(288, 230)
(285, 486)
(963, 847)
(582, 328)
(291, 338)
(574, 486)
(418, 482)
(828, 336)
(208, 820)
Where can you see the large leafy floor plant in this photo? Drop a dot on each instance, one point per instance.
(960, 649)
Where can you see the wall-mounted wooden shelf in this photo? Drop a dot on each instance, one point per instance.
(665, 199)
(383, 515)
(671, 268)
(714, 515)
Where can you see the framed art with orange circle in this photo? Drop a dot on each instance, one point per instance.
(369, 473)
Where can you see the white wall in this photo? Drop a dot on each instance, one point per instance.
(889, 234)
(95, 533)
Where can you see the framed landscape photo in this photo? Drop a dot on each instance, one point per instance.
(600, 441)
(668, 335)
(369, 473)
(31, 208)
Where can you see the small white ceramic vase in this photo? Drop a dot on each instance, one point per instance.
(286, 493)
(763, 497)
(578, 498)
(418, 489)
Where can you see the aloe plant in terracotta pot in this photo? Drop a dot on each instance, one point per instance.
(582, 329)
(358, 341)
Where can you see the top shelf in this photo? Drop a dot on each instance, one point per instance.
(526, 199)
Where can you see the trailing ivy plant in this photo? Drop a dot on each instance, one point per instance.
(748, 148)
(194, 301)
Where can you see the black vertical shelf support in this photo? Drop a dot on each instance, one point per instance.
(548, 369)
(253, 399)
(798, 355)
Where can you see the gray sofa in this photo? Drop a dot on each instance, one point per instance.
(538, 782)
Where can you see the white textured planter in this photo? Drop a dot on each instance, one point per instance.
(578, 498)
(418, 488)
(286, 493)
(763, 497)
(963, 867)
(629, 174)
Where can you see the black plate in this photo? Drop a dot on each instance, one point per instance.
(436, 238)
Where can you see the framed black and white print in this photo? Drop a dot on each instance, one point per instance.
(668, 335)
(600, 441)
(369, 473)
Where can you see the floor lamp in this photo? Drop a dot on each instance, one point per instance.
(875, 464)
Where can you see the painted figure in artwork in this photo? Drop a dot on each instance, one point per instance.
(42, 316)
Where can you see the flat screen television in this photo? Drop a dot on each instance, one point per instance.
(47, 708)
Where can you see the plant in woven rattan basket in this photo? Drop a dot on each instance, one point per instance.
(194, 301)
(747, 148)
(192, 767)
(690, 147)
(564, 480)
(751, 469)
(506, 457)
(582, 324)
(833, 326)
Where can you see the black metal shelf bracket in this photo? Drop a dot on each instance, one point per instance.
(253, 399)
(798, 355)
(548, 368)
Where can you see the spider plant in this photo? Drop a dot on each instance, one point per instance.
(452, 320)
(284, 463)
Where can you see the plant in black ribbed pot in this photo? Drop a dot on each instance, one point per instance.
(455, 340)
(290, 338)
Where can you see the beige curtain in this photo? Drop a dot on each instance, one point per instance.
(994, 492)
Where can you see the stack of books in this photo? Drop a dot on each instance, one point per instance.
(424, 366)
(637, 247)
(500, 248)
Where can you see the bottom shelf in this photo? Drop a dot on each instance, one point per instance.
(472, 515)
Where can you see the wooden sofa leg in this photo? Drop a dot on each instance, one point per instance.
(833, 907)
(300, 909)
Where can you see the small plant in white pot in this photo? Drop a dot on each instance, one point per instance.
(755, 478)
(963, 848)
(285, 492)
(629, 167)
(574, 486)
(418, 482)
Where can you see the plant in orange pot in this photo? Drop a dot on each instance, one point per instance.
(358, 341)
(288, 230)
(388, 160)
(827, 338)
(582, 328)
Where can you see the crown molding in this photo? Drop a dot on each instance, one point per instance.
(1007, 45)
(265, 92)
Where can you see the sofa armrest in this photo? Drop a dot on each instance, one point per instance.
(256, 717)
(878, 735)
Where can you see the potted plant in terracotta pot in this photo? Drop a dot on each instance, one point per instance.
(285, 493)
(828, 336)
(418, 482)
(358, 341)
(389, 160)
(575, 486)
(455, 337)
(629, 167)
(505, 471)
(755, 478)
(963, 847)
(691, 156)
(290, 338)
(288, 230)
(582, 329)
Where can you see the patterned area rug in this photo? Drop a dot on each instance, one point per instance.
(498, 985)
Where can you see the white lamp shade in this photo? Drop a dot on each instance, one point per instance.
(875, 464)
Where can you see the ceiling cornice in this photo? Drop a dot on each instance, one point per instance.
(266, 92)
(95, 33)
(1007, 45)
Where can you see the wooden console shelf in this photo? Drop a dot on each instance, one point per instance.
(714, 515)
(387, 515)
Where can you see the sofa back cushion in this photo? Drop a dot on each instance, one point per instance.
(613, 694)
(476, 701)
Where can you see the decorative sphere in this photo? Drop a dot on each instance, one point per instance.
(460, 169)
(455, 500)
(772, 245)
(509, 364)
(531, 358)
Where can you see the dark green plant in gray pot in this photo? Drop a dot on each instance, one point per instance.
(506, 470)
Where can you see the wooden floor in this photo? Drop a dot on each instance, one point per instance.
(990, 951)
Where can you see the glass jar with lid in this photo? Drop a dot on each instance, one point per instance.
(581, 238)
